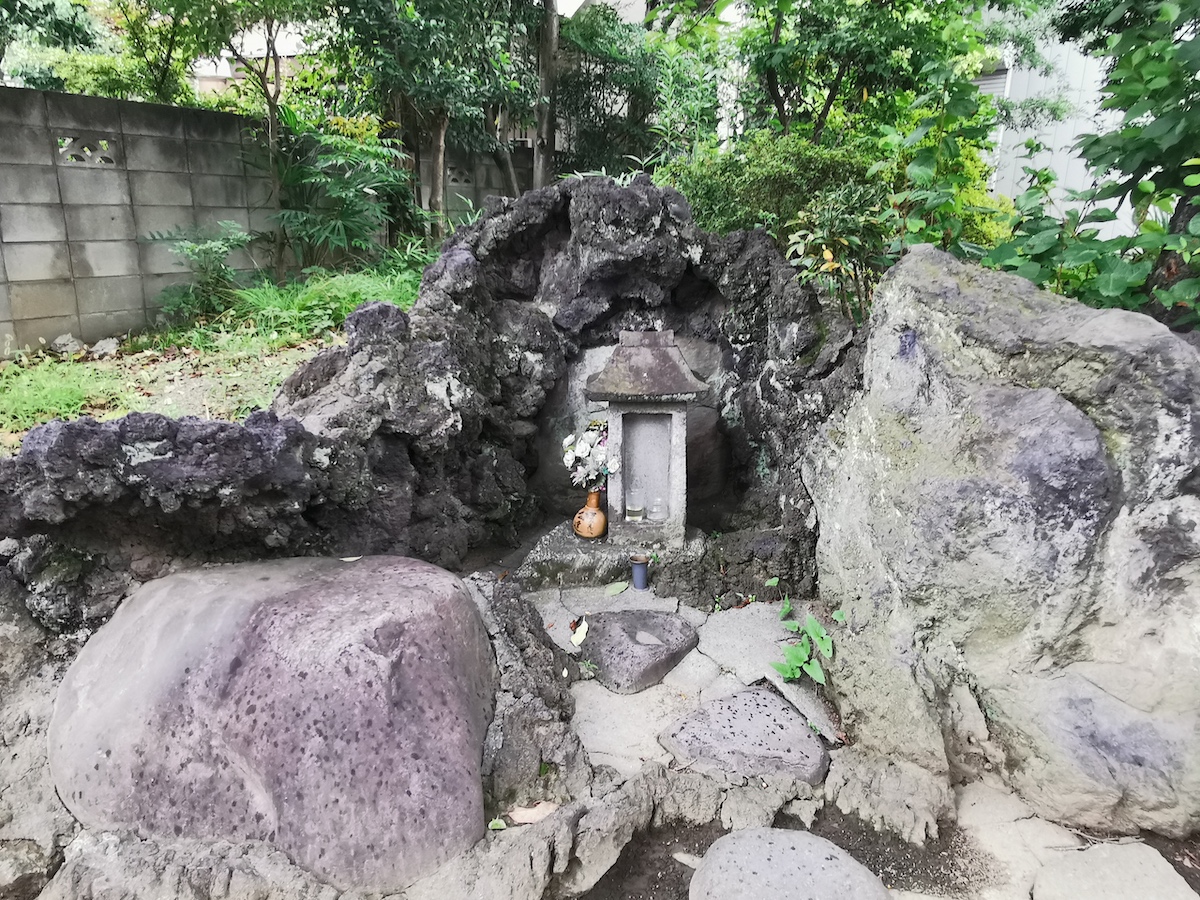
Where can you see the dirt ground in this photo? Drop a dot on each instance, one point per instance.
(1183, 855)
(648, 870)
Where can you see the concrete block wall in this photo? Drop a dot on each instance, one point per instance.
(471, 177)
(83, 181)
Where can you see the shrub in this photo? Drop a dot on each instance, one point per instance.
(206, 253)
(843, 242)
(764, 180)
(338, 191)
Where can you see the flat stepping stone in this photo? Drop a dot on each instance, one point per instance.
(634, 648)
(750, 733)
(622, 730)
(758, 863)
(1111, 872)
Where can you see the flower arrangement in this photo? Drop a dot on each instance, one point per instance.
(587, 458)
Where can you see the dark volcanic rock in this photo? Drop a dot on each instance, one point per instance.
(435, 431)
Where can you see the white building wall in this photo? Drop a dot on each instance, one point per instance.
(1077, 78)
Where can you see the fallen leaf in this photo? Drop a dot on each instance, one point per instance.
(351, 558)
(496, 825)
(616, 587)
(580, 632)
(528, 815)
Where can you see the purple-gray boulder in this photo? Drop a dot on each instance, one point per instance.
(334, 708)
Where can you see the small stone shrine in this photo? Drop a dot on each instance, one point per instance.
(647, 385)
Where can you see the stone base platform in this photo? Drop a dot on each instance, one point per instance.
(562, 558)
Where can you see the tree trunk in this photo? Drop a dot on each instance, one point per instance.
(543, 146)
(830, 97)
(497, 129)
(1170, 268)
(773, 79)
(267, 72)
(437, 185)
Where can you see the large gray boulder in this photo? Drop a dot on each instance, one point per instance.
(335, 709)
(1008, 515)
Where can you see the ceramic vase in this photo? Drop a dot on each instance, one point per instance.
(590, 522)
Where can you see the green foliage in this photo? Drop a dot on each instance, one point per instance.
(930, 207)
(631, 98)
(205, 252)
(47, 23)
(803, 657)
(164, 37)
(428, 60)
(685, 94)
(1154, 79)
(764, 180)
(37, 391)
(985, 216)
(606, 95)
(843, 241)
(337, 191)
(854, 233)
(97, 74)
(275, 316)
(807, 59)
(1058, 250)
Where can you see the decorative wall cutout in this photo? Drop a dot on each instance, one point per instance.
(89, 151)
(457, 175)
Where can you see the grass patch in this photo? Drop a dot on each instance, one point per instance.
(221, 365)
(268, 316)
(47, 389)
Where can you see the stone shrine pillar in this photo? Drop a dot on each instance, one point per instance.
(647, 385)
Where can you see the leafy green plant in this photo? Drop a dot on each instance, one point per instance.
(843, 243)
(929, 208)
(338, 192)
(206, 253)
(277, 316)
(803, 657)
(1060, 249)
(37, 391)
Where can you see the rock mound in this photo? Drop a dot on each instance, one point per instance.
(437, 431)
(335, 709)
